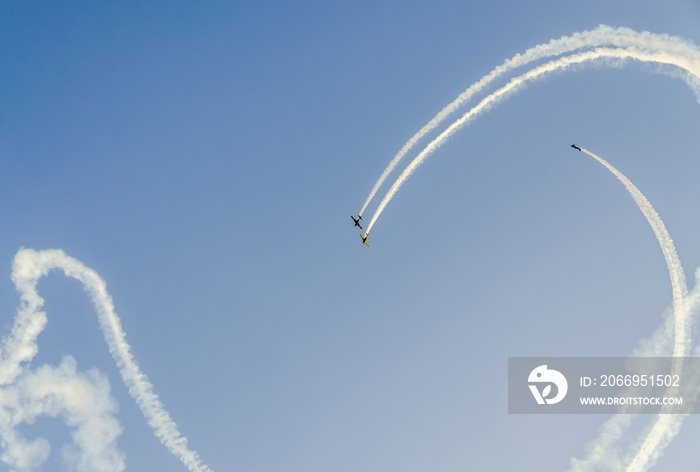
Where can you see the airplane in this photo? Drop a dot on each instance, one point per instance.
(575, 147)
(357, 221)
(364, 238)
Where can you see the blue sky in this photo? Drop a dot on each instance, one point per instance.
(204, 161)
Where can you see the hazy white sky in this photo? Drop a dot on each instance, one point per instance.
(204, 160)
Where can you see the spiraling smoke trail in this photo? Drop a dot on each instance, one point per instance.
(20, 346)
(666, 427)
(601, 36)
(614, 56)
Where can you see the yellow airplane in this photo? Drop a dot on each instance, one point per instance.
(364, 238)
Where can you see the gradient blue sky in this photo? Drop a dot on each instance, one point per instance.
(204, 158)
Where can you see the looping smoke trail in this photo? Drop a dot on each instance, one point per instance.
(614, 57)
(20, 346)
(645, 47)
(666, 427)
(83, 402)
(601, 36)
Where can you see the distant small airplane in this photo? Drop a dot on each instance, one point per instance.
(357, 221)
(364, 238)
(575, 147)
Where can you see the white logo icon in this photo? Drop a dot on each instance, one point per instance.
(549, 376)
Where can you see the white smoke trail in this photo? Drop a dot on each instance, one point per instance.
(601, 36)
(664, 50)
(666, 427)
(83, 402)
(613, 56)
(675, 270)
(21, 346)
(601, 453)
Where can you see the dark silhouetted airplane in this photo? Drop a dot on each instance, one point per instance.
(357, 221)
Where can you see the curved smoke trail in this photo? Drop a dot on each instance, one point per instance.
(601, 36)
(666, 427)
(662, 49)
(675, 270)
(614, 56)
(20, 346)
